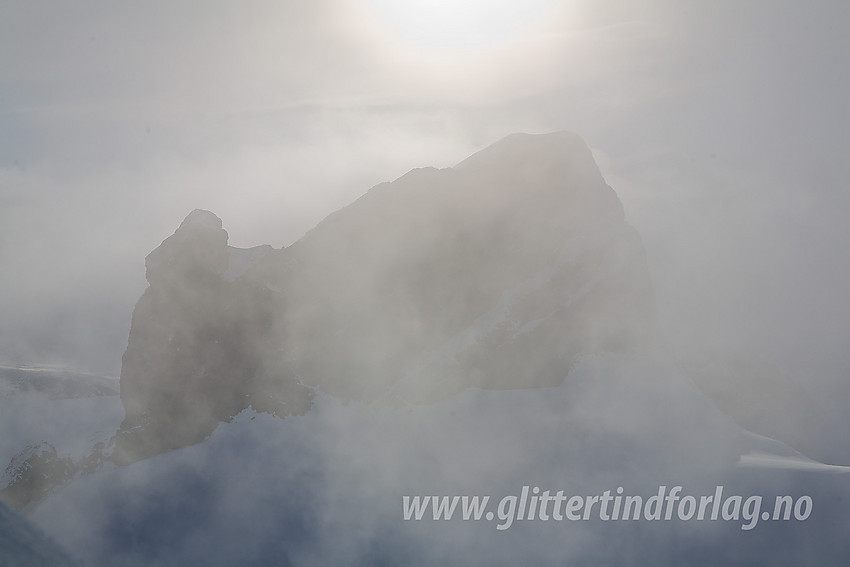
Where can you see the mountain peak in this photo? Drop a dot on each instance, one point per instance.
(439, 281)
(196, 251)
(201, 218)
(539, 148)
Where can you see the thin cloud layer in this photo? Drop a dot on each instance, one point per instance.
(723, 129)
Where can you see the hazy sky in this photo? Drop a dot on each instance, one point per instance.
(721, 125)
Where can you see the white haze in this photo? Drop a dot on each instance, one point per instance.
(722, 127)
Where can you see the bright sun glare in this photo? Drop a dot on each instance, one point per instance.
(447, 24)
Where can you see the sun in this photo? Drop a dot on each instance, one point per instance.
(450, 24)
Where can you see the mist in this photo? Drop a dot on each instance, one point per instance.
(721, 129)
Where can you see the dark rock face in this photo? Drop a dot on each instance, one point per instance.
(496, 273)
(197, 344)
(33, 473)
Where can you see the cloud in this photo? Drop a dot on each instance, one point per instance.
(117, 121)
(722, 127)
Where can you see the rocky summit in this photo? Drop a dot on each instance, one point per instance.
(496, 273)
(198, 347)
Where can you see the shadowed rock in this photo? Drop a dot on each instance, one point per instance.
(197, 352)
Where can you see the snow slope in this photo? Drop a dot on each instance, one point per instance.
(24, 545)
(326, 488)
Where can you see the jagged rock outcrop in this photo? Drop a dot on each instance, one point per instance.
(196, 352)
(497, 273)
(33, 472)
